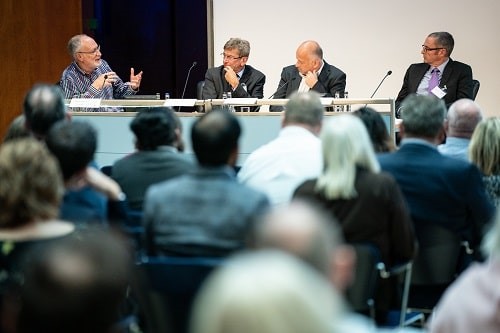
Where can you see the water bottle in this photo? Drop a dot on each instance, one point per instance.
(230, 107)
(167, 95)
(347, 106)
(157, 95)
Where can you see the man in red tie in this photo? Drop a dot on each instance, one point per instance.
(451, 80)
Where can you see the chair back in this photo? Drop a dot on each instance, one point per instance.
(360, 294)
(437, 259)
(174, 282)
(475, 88)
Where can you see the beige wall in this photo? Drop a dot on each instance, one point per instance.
(364, 38)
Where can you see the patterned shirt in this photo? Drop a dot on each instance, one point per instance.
(76, 83)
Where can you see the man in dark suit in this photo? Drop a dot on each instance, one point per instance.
(234, 75)
(310, 72)
(440, 190)
(454, 79)
(157, 157)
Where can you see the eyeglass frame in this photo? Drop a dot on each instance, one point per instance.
(427, 49)
(97, 49)
(230, 57)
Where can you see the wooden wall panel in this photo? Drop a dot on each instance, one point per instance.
(33, 38)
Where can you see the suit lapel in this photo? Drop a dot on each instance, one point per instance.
(448, 70)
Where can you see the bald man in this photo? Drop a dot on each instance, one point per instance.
(310, 72)
(461, 120)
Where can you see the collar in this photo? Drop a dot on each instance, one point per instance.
(418, 141)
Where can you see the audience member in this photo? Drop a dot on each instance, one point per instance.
(380, 138)
(484, 151)
(234, 75)
(87, 189)
(17, 129)
(461, 119)
(89, 76)
(368, 203)
(43, 106)
(310, 72)
(266, 292)
(205, 212)
(76, 285)
(279, 166)
(156, 159)
(440, 190)
(30, 193)
(438, 75)
(471, 303)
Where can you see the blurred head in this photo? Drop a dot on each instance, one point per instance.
(85, 51)
(309, 57)
(265, 291)
(437, 48)
(214, 137)
(43, 107)
(154, 127)
(423, 117)
(75, 284)
(377, 130)
(305, 230)
(236, 52)
(31, 185)
(346, 146)
(484, 147)
(73, 144)
(304, 109)
(462, 118)
(17, 129)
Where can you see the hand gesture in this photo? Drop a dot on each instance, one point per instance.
(135, 80)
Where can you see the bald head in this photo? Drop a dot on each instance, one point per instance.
(462, 118)
(311, 48)
(303, 230)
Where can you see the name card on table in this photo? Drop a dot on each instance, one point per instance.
(240, 101)
(179, 102)
(85, 103)
(326, 101)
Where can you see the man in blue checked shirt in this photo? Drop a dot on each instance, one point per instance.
(89, 76)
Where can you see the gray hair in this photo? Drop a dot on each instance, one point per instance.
(445, 40)
(423, 116)
(346, 146)
(74, 43)
(243, 46)
(304, 108)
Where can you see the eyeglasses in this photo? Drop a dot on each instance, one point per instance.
(94, 52)
(426, 48)
(229, 57)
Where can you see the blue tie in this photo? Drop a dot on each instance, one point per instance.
(434, 81)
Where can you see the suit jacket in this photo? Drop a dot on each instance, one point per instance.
(457, 77)
(136, 172)
(251, 84)
(440, 190)
(203, 213)
(330, 80)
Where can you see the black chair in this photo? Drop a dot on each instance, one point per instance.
(199, 95)
(173, 283)
(442, 256)
(370, 270)
(475, 88)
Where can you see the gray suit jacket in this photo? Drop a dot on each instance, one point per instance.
(330, 80)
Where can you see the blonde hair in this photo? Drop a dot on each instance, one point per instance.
(484, 147)
(31, 186)
(265, 291)
(346, 146)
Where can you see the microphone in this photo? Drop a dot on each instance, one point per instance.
(279, 88)
(186, 82)
(386, 75)
(104, 81)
